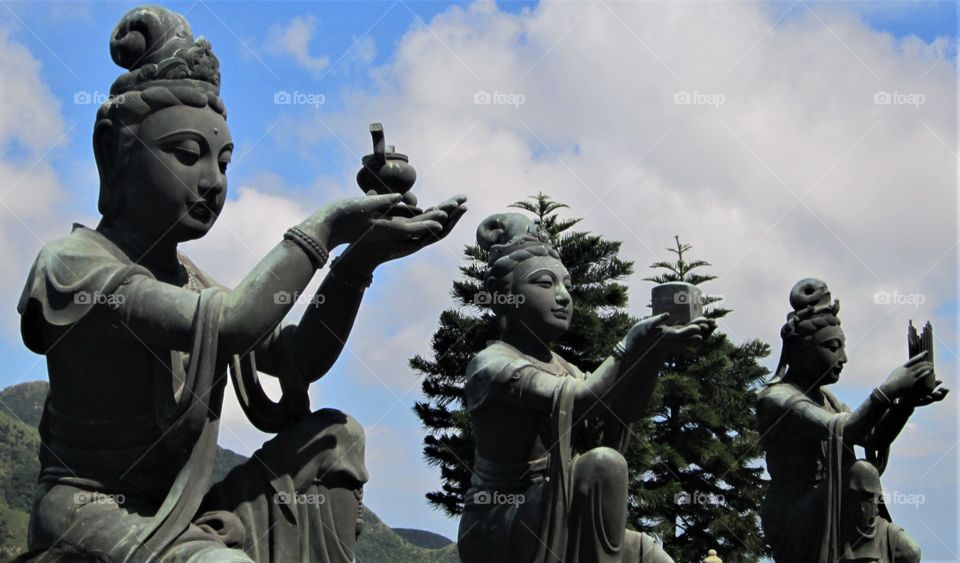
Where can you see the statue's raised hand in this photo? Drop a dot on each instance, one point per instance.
(653, 335)
(399, 235)
(909, 379)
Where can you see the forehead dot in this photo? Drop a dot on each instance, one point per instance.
(216, 131)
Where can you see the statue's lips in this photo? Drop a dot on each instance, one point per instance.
(561, 314)
(201, 212)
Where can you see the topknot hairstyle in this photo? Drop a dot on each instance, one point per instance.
(511, 238)
(812, 310)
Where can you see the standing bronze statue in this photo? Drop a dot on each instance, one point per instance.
(546, 486)
(138, 339)
(824, 505)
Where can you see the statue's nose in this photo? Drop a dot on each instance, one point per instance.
(210, 187)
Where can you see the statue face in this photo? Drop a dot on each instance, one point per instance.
(821, 357)
(177, 184)
(541, 300)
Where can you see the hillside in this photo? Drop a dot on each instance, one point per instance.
(20, 408)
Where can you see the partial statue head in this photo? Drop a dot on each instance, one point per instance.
(165, 109)
(813, 342)
(864, 493)
(526, 283)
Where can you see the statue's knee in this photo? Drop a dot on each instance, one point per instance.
(602, 466)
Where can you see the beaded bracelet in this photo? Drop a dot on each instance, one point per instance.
(315, 251)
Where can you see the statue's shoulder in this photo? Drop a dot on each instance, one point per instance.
(66, 278)
(778, 396)
(493, 365)
(496, 357)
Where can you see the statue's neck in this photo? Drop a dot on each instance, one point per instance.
(158, 256)
(528, 344)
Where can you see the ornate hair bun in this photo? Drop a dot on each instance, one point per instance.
(503, 233)
(157, 45)
(809, 292)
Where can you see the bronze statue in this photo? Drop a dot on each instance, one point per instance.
(816, 509)
(138, 339)
(543, 490)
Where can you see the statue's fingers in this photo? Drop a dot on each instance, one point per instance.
(687, 331)
(452, 220)
(452, 203)
(919, 357)
(380, 204)
(433, 214)
(657, 320)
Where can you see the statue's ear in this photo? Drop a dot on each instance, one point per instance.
(104, 148)
(105, 144)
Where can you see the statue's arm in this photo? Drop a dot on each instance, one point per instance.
(161, 315)
(888, 428)
(531, 388)
(313, 345)
(806, 417)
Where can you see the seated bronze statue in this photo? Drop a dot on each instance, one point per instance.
(817, 508)
(138, 339)
(544, 489)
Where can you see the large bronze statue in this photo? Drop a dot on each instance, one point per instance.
(543, 488)
(824, 505)
(138, 339)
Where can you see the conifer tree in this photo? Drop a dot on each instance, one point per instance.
(697, 483)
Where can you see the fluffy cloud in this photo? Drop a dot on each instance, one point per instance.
(293, 39)
(31, 131)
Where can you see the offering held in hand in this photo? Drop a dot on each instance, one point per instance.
(684, 302)
(386, 171)
(923, 342)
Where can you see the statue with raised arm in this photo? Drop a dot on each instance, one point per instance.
(545, 488)
(139, 340)
(824, 505)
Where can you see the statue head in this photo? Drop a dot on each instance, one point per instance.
(864, 494)
(527, 285)
(161, 141)
(813, 343)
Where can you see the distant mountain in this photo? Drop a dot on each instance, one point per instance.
(423, 538)
(20, 409)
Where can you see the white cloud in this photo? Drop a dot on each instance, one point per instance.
(293, 39)
(31, 131)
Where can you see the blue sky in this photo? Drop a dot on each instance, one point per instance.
(395, 62)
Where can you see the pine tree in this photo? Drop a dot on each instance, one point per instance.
(697, 484)
(599, 321)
